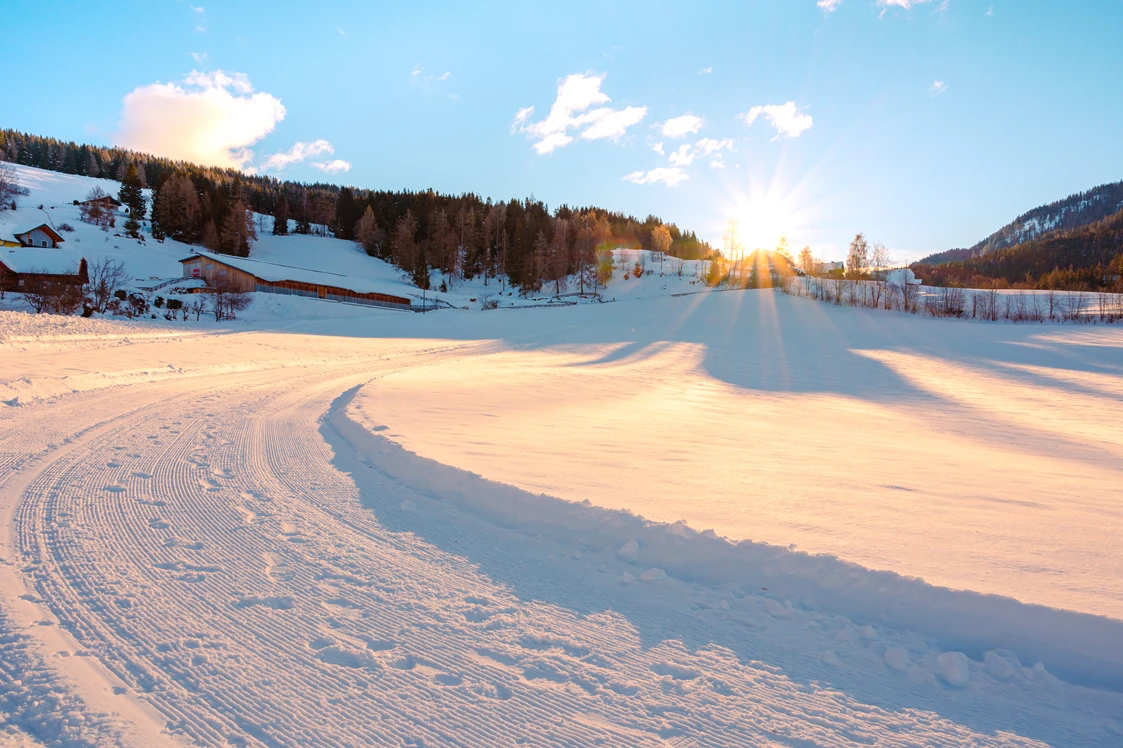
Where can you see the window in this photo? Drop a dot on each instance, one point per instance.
(44, 242)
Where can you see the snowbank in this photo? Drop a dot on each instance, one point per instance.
(1084, 649)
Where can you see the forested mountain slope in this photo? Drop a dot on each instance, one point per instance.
(1043, 221)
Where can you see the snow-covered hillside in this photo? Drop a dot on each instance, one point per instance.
(290, 257)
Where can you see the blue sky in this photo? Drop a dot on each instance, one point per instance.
(926, 125)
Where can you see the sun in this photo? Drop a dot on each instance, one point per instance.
(763, 220)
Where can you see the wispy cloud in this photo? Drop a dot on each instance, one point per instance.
(197, 8)
(829, 6)
(669, 176)
(298, 153)
(906, 4)
(208, 118)
(417, 70)
(787, 118)
(706, 147)
(706, 71)
(200, 58)
(342, 32)
(680, 127)
(936, 89)
(658, 148)
(333, 167)
(571, 112)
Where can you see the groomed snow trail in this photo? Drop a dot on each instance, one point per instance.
(216, 547)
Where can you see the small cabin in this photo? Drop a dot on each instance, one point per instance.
(40, 236)
(106, 201)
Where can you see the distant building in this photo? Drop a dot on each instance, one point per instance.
(902, 277)
(106, 201)
(822, 268)
(40, 236)
(246, 275)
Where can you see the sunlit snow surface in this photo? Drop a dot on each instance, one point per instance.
(261, 535)
(979, 457)
(722, 519)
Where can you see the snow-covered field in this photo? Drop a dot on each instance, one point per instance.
(268, 534)
(716, 519)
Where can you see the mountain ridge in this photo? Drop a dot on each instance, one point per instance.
(1074, 211)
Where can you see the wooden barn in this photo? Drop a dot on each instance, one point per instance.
(246, 275)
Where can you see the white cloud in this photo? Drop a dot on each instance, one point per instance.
(521, 117)
(684, 156)
(342, 32)
(201, 29)
(610, 123)
(417, 70)
(829, 6)
(443, 76)
(196, 8)
(298, 153)
(990, 11)
(658, 148)
(788, 120)
(552, 142)
(200, 58)
(669, 176)
(680, 127)
(570, 111)
(686, 153)
(706, 71)
(333, 167)
(906, 4)
(209, 118)
(936, 89)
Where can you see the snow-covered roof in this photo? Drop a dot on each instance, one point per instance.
(40, 227)
(272, 271)
(24, 259)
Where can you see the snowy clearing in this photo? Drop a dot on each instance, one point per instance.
(270, 536)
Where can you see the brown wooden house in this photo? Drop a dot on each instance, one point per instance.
(22, 269)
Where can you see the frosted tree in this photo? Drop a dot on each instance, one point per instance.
(857, 258)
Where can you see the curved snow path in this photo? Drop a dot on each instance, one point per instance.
(215, 549)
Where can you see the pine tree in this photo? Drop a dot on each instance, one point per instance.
(346, 214)
(281, 218)
(237, 231)
(133, 199)
(210, 236)
(367, 233)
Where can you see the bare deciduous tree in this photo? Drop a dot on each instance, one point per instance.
(9, 184)
(226, 301)
(106, 276)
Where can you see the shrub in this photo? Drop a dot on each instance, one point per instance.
(66, 227)
(120, 294)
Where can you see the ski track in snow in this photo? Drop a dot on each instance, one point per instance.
(231, 565)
